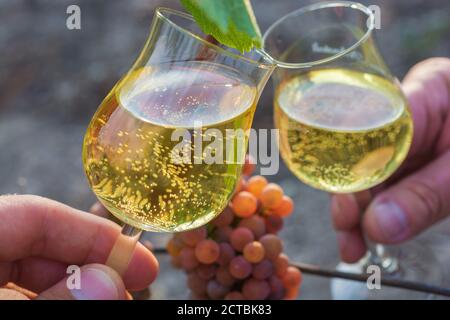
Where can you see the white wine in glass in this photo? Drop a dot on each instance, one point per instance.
(130, 147)
(342, 130)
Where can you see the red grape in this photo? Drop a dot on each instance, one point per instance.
(215, 290)
(292, 278)
(263, 270)
(272, 245)
(195, 296)
(277, 295)
(244, 204)
(176, 261)
(239, 267)
(234, 295)
(188, 259)
(256, 224)
(222, 234)
(224, 277)
(281, 264)
(196, 284)
(254, 289)
(274, 224)
(240, 237)
(276, 287)
(291, 293)
(277, 290)
(271, 196)
(224, 218)
(226, 254)
(174, 247)
(207, 251)
(285, 208)
(254, 252)
(206, 271)
(255, 185)
(192, 237)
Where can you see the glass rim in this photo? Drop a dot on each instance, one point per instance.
(163, 13)
(319, 6)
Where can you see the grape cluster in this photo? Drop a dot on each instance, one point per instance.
(239, 255)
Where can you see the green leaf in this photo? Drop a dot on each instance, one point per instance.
(231, 22)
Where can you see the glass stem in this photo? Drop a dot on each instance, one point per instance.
(123, 248)
(377, 255)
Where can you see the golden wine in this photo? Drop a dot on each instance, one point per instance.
(128, 150)
(342, 130)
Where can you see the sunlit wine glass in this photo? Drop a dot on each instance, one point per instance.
(344, 123)
(157, 151)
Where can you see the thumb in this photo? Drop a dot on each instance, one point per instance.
(412, 205)
(97, 282)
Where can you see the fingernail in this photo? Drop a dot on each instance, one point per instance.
(96, 284)
(391, 219)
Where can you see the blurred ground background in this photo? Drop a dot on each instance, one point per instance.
(52, 80)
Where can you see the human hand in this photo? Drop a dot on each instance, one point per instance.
(417, 196)
(40, 238)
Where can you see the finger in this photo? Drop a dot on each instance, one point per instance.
(351, 245)
(138, 276)
(97, 282)
(437, 65)
(38, 274)
(346, 209)
(34, 273)
(412, 205)
(344, 212)
(426, 87)
(428, 115)
(35, 226)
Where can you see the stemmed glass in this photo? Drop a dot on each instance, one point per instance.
(157, 151)
(345, 125)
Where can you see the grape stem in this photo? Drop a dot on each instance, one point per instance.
(331, 273)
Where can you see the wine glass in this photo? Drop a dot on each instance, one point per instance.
(344, 123)
(156, 151)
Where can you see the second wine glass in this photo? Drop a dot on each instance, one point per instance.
(345, 125)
